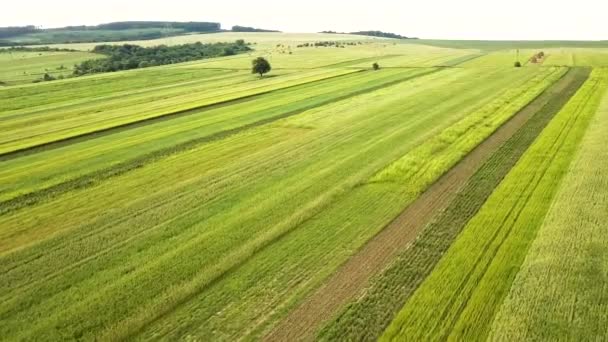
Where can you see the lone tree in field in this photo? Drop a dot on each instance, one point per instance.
(518, 64)
(260, 66)
(376, 66)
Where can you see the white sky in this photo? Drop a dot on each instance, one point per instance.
(457, 19)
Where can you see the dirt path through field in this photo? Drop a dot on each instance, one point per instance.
(353, 276)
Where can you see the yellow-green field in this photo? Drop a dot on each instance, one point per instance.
(198, 201)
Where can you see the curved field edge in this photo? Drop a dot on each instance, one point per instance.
(367, 316)
(460, 298)
(560, 292)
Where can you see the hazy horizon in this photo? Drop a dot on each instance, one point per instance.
(433, 19)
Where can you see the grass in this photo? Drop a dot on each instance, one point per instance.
(128, 149)
(247, 214)
(577, 57)
(460, 298)
(494, 45)
(31, 124)
(560, 291)
(368, 316)
(22, 67)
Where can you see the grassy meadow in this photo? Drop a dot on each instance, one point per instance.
(23, 67)
(198, 201)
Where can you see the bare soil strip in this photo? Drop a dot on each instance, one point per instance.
(353, 276)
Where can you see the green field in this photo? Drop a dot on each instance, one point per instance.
(566, 263)
(198, 201)
(21, 67)
(460, 298)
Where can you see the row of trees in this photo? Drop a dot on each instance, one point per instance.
(328, 44)
(192, 26)
(238, 28)
(127, 56)
(373, 34)
(12, 31)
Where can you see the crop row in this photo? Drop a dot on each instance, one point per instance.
(460, 298)
(367, 316)
(78, 164)
(233, 230)
(38, 126)
(560, 291)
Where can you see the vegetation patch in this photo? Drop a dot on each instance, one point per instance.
(460, 298)
(368, 316)
(560, 292)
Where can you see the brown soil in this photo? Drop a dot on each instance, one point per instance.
(352, 277)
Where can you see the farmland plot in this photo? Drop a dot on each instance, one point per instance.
(38, 125)
(247, 214)
(460, 298)
(367, 316)
(131, 148)
(560, 292)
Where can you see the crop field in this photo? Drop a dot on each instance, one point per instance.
(428, 200)
(460, 298)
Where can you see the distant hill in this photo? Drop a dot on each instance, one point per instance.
(237, 28)
(110, 32)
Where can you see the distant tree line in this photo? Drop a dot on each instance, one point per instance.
(127, 56)
(192, 26)
(328, 44)
(380, 34)
(372, 34)
(237, 28)
(7, 32)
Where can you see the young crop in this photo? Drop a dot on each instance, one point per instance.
(368, 316)
(236, 229)
(461, 296)
(560, 292)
